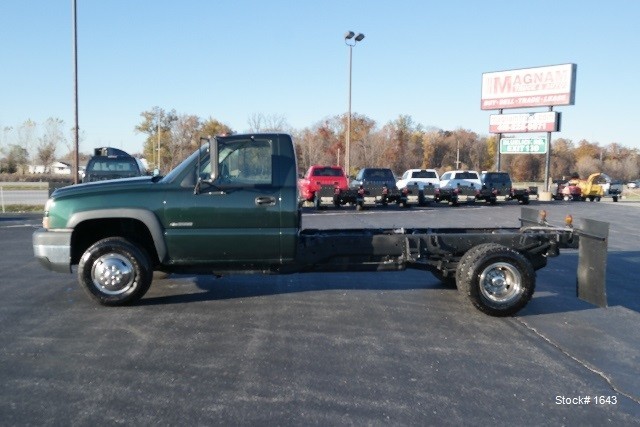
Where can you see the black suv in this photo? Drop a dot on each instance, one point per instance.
(112, 163)
(499, 181)
(377, 185)
(374, 177)
(501, 186)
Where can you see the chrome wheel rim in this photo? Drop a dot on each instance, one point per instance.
(113, 274)
(500, 283)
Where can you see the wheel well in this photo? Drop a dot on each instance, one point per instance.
(90, 231)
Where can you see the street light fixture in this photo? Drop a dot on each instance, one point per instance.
(350, 35)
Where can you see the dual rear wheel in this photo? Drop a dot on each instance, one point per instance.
(495, 279)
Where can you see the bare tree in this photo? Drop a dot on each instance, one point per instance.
(320, 144)
(369, 151)
(27, 138)
(585, 166)
(49, 142)
(562, 158)
(184, 135)
(258, 122)
(630, 167)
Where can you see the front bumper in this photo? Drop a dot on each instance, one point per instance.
(53, 249)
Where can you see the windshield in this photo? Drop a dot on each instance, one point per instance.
(113, 164)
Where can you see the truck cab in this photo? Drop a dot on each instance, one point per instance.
(246, 203)
(239, 211)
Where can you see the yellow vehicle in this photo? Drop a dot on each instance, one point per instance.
(592, 188)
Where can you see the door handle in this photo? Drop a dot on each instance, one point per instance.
(265, 201)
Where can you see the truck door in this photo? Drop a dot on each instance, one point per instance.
(235, 218)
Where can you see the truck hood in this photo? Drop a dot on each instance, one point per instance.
(141, 183)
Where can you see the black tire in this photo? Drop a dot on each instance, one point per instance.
(497, 280)
(463, 264)
(615, 198)
(120, 262)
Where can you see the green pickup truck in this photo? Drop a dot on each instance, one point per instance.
(240, 213)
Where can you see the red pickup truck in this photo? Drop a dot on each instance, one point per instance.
(321, 176)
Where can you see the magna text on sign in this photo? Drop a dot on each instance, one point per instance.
(529, 87)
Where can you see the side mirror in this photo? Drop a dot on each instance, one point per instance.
(156, 172)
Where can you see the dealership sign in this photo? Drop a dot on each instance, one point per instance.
(523, 145)
(521, 123)
(529, 87)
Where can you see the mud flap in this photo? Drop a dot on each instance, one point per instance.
(592, 262)
(529, 216)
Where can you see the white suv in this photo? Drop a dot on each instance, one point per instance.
(467, 183)
(427, 182)
(419, 177)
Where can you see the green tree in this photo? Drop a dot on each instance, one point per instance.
(213, 127)
(156, 124)
(16, 160)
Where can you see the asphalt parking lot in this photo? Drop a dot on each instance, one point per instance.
(325, 349)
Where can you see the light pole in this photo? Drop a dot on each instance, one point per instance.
(158, 162)
(350, 35)
(76, 134)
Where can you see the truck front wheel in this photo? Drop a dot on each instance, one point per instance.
(497, 280)
(114, 271)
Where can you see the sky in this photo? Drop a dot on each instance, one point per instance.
(231, 59)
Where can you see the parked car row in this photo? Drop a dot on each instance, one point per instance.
(329, 186)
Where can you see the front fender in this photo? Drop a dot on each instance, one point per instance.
(148, 218)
